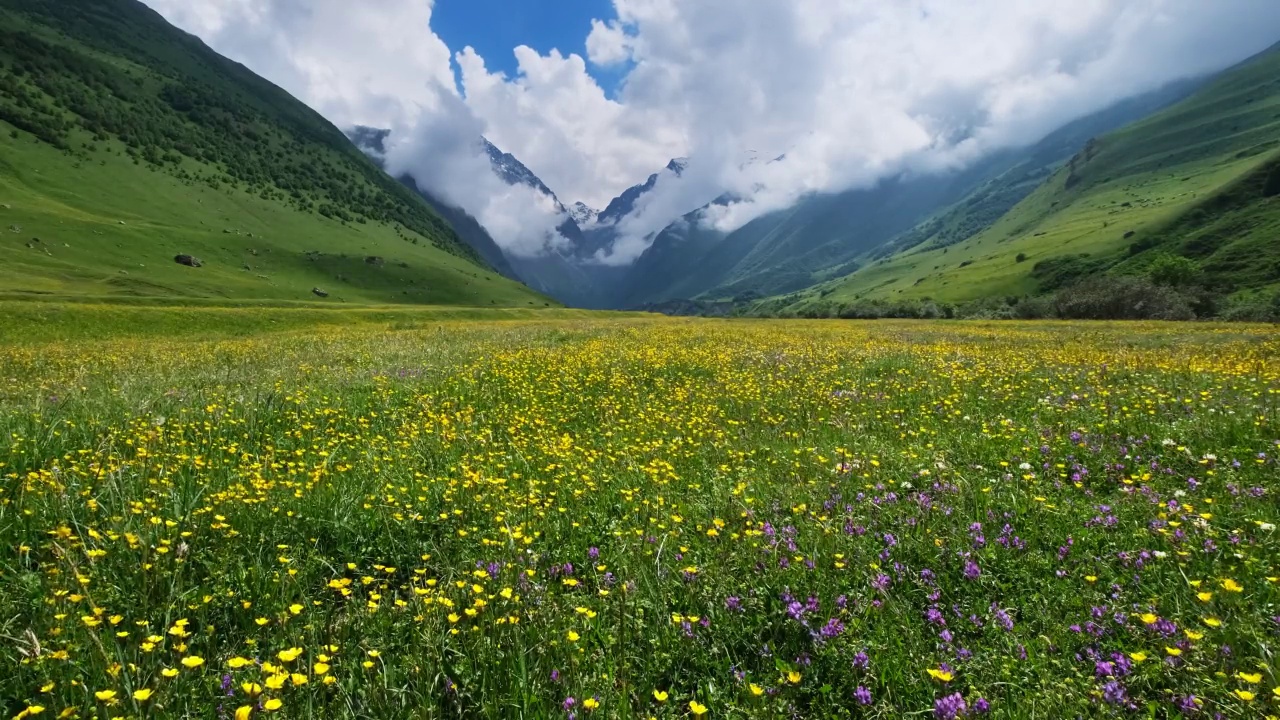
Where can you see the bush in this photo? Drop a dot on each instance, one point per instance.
(1272, 188)
(1022, 257)
(1121, 298)
(1174, 271)
(1255, 310)
(1034, 308)
(1066, 270)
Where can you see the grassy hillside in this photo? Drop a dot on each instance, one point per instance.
(830, 236)
(125, 142)
(1198, 180)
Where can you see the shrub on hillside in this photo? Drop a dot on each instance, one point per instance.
(1065, 270)
(1174, 271)
(1259, 309)
(1035, 308)
(1105, 297)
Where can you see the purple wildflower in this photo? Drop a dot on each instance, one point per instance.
(949, 707)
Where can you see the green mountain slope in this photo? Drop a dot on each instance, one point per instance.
(829, 236)
(125, 142)
(1199, 180)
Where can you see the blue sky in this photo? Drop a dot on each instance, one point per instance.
(495, 27)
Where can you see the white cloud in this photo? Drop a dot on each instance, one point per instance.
(557, 120)
(444, 153)
(608, 44)
(371, 63)
(852, 91)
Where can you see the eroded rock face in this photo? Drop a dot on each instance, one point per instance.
(188, 260)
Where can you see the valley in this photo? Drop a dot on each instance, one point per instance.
(322, 403)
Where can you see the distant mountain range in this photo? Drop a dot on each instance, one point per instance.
(575, 275)
(815, 243)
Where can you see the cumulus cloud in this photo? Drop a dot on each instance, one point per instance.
(372, 63)
(851, 93)
(845, 92)
(558, 121)
(444, 153)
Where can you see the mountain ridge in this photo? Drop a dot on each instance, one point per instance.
(824, 235)
(129, 145)
(1194, 185)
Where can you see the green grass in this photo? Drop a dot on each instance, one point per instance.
(23, 322)
(125, 142)
(110, 226)
(1152, 183)
(758, 519)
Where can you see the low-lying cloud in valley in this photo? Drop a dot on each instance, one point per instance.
(844, 92)
(444, 152)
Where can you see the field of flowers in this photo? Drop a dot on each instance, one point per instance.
(644, 518)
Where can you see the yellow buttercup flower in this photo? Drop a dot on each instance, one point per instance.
(288, 656)
(756, 690)
(697, 708)
(243, 712)
(192, 662)
(142, 695)
(1251, 678)
(793, 677)
(943, 675)
(272, 705)
(1244, 695)
(105, 695)
(660, 695)
(590, 703)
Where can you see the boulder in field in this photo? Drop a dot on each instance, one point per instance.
(188, 260)
(319, 293)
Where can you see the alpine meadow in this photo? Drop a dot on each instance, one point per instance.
(317, 400)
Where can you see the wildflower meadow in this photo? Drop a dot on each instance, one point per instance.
(637, 518)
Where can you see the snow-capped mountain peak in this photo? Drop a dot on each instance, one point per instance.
(583, 214)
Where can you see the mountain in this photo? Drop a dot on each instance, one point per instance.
(126, 143)
(561, 272)
(601, 236)
(558, 272)
(373, 142)
(1198, 180)
(514, 172)
(583, 214)
(827, 236)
